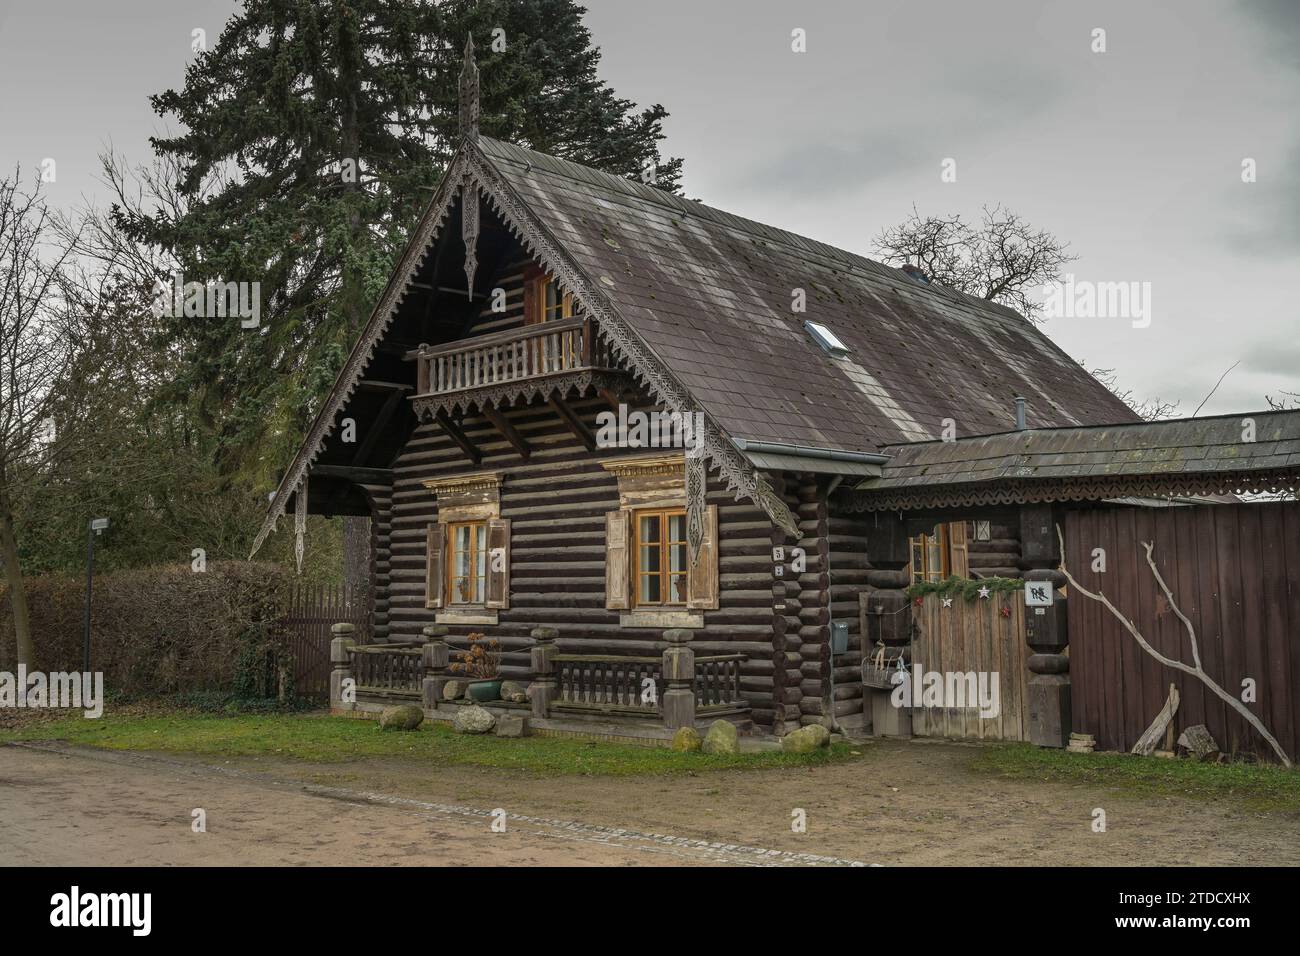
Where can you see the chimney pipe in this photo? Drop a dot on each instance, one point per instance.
(1020, 414)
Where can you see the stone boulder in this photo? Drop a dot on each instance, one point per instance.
(401, 717)
(513, 690)
(806, 739)
(453, 689)
(473, 720)
(1198, 742)
(686, 740)
(510, 725)
(722, 738)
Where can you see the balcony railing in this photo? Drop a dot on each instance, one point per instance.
(536, 350)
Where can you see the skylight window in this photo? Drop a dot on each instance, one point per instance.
(826, 338)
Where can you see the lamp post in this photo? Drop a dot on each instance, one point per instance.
(95, 527)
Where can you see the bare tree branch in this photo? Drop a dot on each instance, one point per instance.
(1002, 260)
(1151, 409)
(1194, 670)
(1216, 388)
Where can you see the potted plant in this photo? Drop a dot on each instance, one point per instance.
(481, 664)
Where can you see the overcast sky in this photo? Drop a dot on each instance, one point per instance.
(1134, 156)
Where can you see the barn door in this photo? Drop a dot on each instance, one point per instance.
(983, 637)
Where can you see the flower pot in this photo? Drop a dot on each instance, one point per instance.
(484, 690)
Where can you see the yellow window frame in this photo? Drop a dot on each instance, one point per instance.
(473, 592)
(667, 577)
(544, 309)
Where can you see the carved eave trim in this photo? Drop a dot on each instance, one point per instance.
(508, 393)
(399, 286)
(643, 362)
(658, 466)
(486, 482)
(1092, 489)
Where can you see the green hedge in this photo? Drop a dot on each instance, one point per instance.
(162, 630)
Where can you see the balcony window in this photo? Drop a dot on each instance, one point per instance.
(547, 302)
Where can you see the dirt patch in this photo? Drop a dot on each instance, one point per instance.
(903, 803)
(101, 808)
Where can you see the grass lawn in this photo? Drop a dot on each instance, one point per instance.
(337, 739)
(1251, 786)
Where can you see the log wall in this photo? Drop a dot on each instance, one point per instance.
(556, 501)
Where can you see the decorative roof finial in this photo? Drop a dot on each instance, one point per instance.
(469, 93)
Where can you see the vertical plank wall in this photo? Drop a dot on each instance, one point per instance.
(1234, 570)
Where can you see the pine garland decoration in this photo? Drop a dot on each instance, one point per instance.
(968, 588)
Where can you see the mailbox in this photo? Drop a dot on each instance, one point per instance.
(1045, 626)
(839, 637)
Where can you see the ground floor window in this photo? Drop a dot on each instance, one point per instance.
(467, 567)
(660, 557)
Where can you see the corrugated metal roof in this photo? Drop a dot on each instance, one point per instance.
(711, 294)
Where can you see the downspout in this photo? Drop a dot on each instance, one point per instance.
(830, 594)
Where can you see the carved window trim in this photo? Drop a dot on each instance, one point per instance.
(473, 499)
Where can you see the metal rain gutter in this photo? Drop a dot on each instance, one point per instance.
(808, 451)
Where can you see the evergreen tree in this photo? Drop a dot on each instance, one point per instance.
(314, 132)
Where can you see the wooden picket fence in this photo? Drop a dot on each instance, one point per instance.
(309, 611)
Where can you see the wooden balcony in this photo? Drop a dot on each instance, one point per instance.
(549, 348)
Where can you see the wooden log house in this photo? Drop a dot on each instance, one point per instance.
(536, 294)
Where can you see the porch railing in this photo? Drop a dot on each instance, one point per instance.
(387, 670)
(611, 684)
(617, 683)
(543, 349)
(685, 687)
(717, 681)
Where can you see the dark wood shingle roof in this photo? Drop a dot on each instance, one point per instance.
(711, 293)
(1209, 455)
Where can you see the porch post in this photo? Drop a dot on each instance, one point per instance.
(1047, 634)
(343, 639)
(679, 672)
(542, 654)
(1046, 630)
(436, 657)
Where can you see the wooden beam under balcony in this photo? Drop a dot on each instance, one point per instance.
(576, 424)
(456, 434)
(379, 423)
(508, 431)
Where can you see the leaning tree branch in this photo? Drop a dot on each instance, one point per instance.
(1194, 670)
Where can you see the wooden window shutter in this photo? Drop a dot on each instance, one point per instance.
(618, 555)
(532, 303)
(917, 563)
(435, 548)
(960, 563)
(498, 568)
(702, 576)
